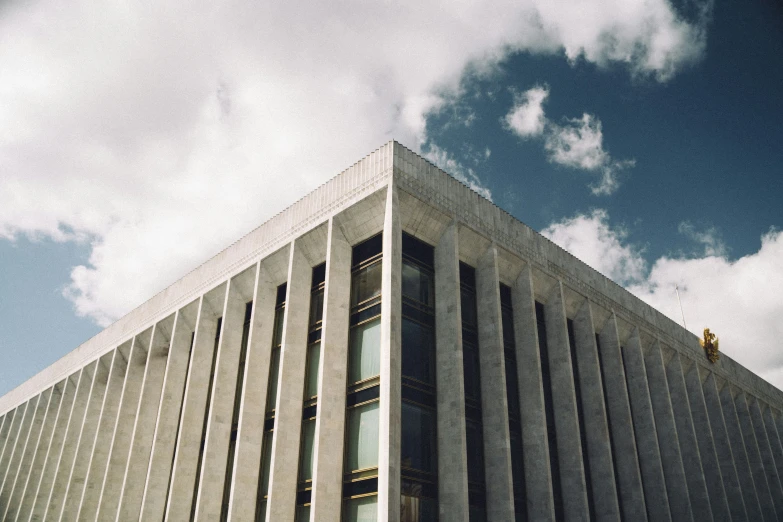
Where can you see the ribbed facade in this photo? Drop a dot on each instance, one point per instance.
(392, 347)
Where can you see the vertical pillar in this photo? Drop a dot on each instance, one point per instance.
(494, 403)
(109, 499)
(40, 452)
(11, 440)
(535, 445)
(569, 445)
(599, 450)
(25, 464)
(183, 475)
(390, 413)
(5, 427)
(765, 452)
(666, 428)
(86, 440)
(326, 497)
(763, 487)
(99, 457)
(644, 430)
(288, 411)
(16, 452)
(144, 426)
(694, 473)
(719, 498)
(168, 415)
(774, 439)
(251, 420)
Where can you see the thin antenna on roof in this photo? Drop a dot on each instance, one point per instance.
(677, 289)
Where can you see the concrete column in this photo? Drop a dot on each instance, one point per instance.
(183, 475)
(719, 497)
(694, 473)
(535, 445)
(494, 403)
(17, 421)
(774, 439)
(288, 410)
(25, 464)
(666, 428)
(569, 444)
(632, 500)
(751, 496)
(167, 424)
(763, 488)
(765, 451)
(99, 457)
(645, 431)
(251, 419)
(111, 491)
(86, 440)
(40, 452)
(599, 449)
(390, 408)
(55, 446)
(16, 452)
(5, 427)
(326, 499)
(135, 475)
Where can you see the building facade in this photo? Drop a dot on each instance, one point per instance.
(392, 347)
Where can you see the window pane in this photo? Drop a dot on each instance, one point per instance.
(302, 513)
(362, 437)
(417, 284)
(474, 441)
(313, 363)
(418, 438)
(468, 304)
(366, 283)
(417, 351)
(266, 461)
(365, 351)
(416, 509)
(308, 438)
(316, 308)
(277, 338)
(274, 374)
(470, 370)
(508, 326)
(364, 509)
(261, 512)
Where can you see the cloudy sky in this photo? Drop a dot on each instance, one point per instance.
(139, 139)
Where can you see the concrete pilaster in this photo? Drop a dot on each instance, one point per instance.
(694, 473)
(86, 440)
(161, 458)
(599, 450)
(774, 439)
(109, 500)
(251, 420)
(765, 451)
(645, 431)
(713, 475)
(183, 475)
(25, 464)
(326, 499)
(9, 448)
(5, 427)
(569, 445)
(144, 426)
(631, 494)
(763, 488)
(390, 413)
(17, 449)
(666, 429)
(535, 445)
(99, 457)
(494, 403)
(40, 452)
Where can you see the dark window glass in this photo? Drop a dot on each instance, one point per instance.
(468, 305)
(474, 440)
(316, 309)
(418, 284)
(366, 283)
(319, 274)
(418, 351)
(418, 438)
(418, 250)
(368, 249)
(470, 370)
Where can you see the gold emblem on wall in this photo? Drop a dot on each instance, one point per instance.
(710, 345)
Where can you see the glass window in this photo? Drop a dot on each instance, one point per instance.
(308, 439)
(313, 373)
(362, 437)
(417, 351)
(302, 513)
(417, 284)
(277, 338)
(363, 509)
(418, 509)
(366, 283)
(266, 461)
(475, 444)
(418, 438)
(365, 351)
(470, 370)
(274, 374)
(261, 512)
(468, 304)
(316, 308)
(508, 326)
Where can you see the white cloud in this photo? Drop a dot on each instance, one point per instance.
(160, 132)
(526, 118)
(740, 300)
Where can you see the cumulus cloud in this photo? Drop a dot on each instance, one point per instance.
(526, 118)
(739, 299)
(159, 132)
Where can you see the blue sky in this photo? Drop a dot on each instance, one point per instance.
(137, 141)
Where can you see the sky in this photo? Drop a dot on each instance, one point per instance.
(137, 140)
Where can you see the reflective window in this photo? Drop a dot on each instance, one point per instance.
(418, 438)
(312, 373)
(366, 284)
(365, 351)
(362, 437)
(274, 375)
(362, 509)
(418, 350)
(308, 441)
(417, 284)
(303, 513)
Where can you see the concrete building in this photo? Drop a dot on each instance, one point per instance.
(392, 347)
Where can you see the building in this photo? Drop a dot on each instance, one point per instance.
(390, 347)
